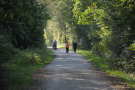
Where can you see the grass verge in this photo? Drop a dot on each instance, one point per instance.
(103, 64)
(24, 64)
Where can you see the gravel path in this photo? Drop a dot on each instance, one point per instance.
(70, 72)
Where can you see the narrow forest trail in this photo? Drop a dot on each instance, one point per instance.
(70, 72)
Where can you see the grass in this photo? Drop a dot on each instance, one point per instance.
(103, 64)
(24, 64)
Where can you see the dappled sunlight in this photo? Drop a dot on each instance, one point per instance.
(74, 80)
(37, 33)
(72, 71)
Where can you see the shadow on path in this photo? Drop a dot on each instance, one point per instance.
(70, 72)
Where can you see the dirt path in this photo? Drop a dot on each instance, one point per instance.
(70, 72)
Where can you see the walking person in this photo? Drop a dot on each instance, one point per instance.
(74, 45)
(67, 46)
(54, 45)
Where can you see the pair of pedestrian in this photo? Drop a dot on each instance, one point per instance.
(74, 45)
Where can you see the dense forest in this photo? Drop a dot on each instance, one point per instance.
(22, 42)
(108, 29)
(22, 26)
(105, 27)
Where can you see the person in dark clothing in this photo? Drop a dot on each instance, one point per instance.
(67, 46)
(54, 45)
(75, 46)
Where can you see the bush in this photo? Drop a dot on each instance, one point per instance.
(132, 47)
(6, 49)
(24, 64)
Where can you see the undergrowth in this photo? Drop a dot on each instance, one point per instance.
(104, 65)
(24, 64)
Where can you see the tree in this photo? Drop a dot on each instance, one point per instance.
(22, 25)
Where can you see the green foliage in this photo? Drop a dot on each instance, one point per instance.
(107, 28)
(60, 25)
(132, 46)
(24, 21)
(6, 49)
(100, 62)
(104, 64)
(24, 64)
(22, 26)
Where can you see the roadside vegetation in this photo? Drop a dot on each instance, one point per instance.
(105, 64)
(22, 43)
(104, 27)
(23, 65)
